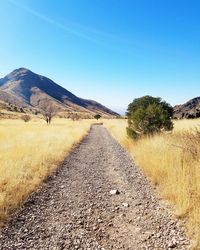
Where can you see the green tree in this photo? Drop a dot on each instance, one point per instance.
(97, 116)
(148, 115)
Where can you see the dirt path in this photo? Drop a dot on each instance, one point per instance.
(75, 210)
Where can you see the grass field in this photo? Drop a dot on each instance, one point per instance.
(29, 152)
(172, 161)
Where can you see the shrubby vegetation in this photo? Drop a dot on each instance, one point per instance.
(26, 118)
(97, 116)
(148, 115)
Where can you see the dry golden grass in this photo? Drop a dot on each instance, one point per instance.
(29, 152)
(186, 125)
(172, 161)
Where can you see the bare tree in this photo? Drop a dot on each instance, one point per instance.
(48, 110)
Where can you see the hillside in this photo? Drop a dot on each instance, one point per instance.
(190, 109)
(24, 88)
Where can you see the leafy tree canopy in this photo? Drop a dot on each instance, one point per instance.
(97, 116)
(148, 115)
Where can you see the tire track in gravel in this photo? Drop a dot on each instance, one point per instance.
(73, 209)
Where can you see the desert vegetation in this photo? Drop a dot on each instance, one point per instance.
(28, 154)
(26, 118)
(148, 115)
(48, 110)
(97, 117)
(171, 161)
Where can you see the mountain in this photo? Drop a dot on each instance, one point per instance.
(190, 109)
(24, 88)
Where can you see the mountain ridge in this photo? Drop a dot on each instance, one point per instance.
(190, 109)
(30, 89)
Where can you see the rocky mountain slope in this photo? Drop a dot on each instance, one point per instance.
(24, 88)
(190, 109)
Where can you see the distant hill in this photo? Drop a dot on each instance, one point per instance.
(24, 88)
(190, 109)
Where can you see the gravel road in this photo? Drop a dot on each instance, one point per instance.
(74, 209)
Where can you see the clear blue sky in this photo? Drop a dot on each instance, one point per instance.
(108, 50)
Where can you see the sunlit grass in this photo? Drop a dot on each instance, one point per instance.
(172, 161)
(28, 154)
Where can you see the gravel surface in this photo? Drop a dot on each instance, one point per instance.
(97, 199)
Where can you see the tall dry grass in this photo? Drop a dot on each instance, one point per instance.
(29, 152)
(172, 161)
